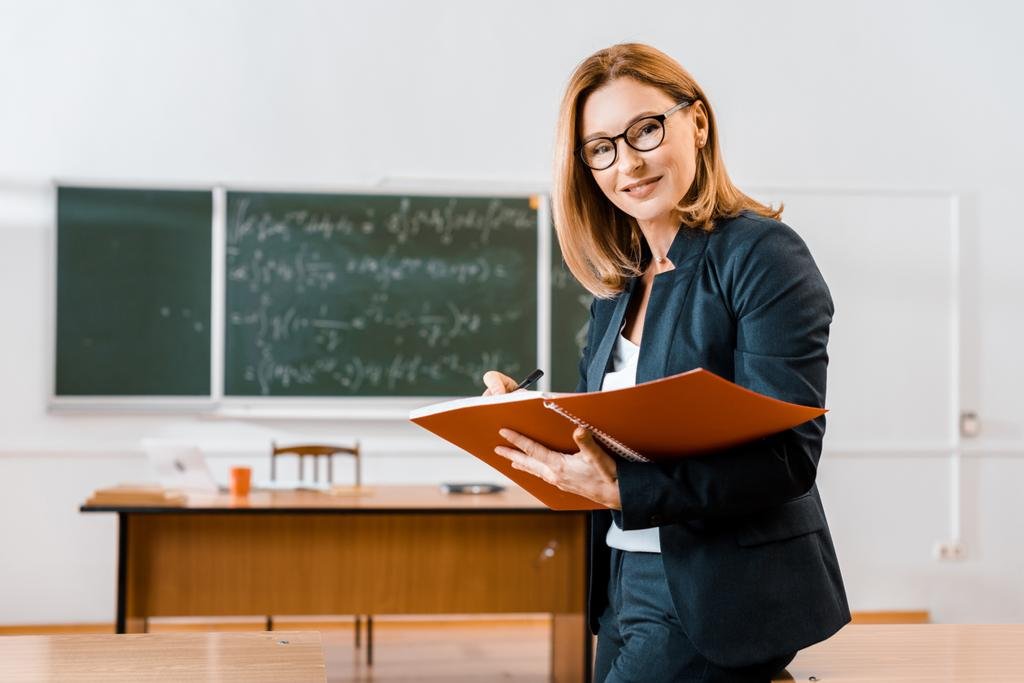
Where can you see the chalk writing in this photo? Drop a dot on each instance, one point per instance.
(377, 295)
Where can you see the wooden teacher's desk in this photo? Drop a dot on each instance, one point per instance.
(295, 656)
(387, 550)
(918, 653)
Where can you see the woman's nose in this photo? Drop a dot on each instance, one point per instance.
(629, 159)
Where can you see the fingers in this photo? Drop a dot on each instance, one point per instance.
(595, 454)
(526, 445)
(582, 437)
(531, 456)
(590, 473)
(498, 383)
(528, 464)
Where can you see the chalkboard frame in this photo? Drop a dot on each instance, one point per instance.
(371, 407)
(216, 404)
(392, 408)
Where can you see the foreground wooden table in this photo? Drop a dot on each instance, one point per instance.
(281, 656)
(918, 652)
(390, 550)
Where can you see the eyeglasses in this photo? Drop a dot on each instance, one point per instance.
(643, 136)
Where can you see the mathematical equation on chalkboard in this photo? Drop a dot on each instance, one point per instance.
(366, 295)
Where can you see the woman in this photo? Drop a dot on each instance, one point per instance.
(711, 568)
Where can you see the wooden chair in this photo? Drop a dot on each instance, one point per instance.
(317, 452)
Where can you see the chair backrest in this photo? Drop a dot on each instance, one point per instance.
(316, 452)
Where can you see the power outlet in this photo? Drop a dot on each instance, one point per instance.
(949, 550)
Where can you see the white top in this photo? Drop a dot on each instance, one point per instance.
(623, 374)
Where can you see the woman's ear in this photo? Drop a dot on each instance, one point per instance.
(700, 124)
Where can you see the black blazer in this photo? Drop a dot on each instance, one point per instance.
(747, 551)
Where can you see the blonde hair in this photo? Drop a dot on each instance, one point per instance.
(600, 243)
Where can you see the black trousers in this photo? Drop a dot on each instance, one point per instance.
(640, 638)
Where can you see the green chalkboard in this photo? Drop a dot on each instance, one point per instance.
(133, 292)
(570, 316)
(377, 295)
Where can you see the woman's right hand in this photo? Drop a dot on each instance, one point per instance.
(498, 383)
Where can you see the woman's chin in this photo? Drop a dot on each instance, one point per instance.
(648, 213)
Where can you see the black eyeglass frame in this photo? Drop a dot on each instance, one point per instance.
(660, 118)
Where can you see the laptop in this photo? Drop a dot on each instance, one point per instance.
(180, 466)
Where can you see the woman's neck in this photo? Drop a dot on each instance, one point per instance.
(659, 234)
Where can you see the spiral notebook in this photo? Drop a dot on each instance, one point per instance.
(687, 414)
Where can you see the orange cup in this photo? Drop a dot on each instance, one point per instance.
(241, 477)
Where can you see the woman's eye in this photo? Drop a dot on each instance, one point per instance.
(647, 129)
(601, 148)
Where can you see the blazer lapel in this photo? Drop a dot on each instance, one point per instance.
(599, 361)
(668, 296)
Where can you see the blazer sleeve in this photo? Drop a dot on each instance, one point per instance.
(782, 310)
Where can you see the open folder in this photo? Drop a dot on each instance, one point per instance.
(690, 413)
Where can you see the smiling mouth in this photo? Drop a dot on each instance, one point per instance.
(641, 186)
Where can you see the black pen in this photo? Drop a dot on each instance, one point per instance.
(531, 378)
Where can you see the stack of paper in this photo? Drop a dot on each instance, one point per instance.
(137, 494)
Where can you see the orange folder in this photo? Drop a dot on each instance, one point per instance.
(686, 414)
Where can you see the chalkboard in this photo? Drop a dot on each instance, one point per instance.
(570, 317)
(133, 292)
(377, 295)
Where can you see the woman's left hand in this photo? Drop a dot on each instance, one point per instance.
(590, 472)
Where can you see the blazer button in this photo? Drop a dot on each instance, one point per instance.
(656, 520)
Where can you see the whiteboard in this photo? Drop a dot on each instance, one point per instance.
(891, 261)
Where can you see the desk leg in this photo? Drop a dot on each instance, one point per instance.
(570, 649)
(127, 621)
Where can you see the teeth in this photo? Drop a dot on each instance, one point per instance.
(639, 185)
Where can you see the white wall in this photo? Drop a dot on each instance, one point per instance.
(893, 96)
